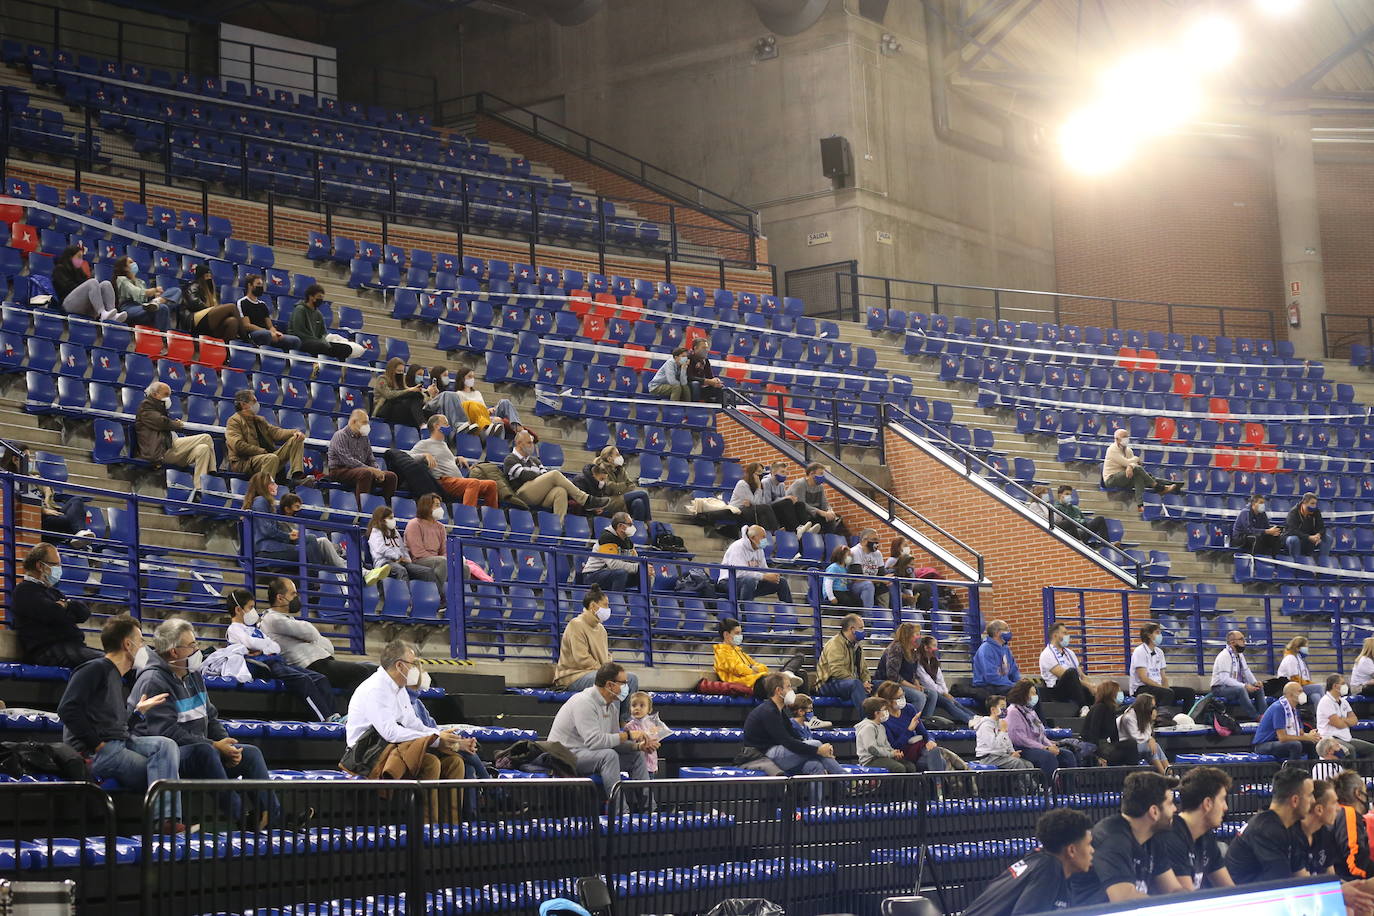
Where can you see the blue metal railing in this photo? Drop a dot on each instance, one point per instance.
(117, 566)
(522, 614)
(1105, 624)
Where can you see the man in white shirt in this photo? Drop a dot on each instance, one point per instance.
(1061, 672)
(866, 554)
(382, 704)
(588, 725)
(747, 553)
(1233, 681)
(1335, 718)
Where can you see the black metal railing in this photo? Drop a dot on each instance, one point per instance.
(1345, 333)
(858, 294)
(683, 190)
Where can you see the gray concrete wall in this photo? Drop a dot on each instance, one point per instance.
(678, 84)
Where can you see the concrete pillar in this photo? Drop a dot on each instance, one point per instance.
(1295, 188)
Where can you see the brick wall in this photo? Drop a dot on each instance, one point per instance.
(1173, 228)
(694, 226)
(291, 228)
(1345, 204)
(1020, 558)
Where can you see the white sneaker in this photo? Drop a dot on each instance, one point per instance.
(816, 722)
(1083, 712)
(494, 428)
(84, 533)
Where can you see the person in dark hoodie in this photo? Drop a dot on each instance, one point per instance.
(44, 618)
(79, 292)
(96, 721)
(1304, 533)
(205, 750)
(1253, 532)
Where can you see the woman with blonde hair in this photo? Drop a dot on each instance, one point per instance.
(1362, 675)
(1294, 668)
(393, 401)
(619, 483)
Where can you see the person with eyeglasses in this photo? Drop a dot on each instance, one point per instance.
(588, 725)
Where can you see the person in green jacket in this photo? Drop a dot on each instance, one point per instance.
(308, 324)
(1081, 524)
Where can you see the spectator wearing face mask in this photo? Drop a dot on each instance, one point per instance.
(747, 556)
(427, 539)
(898, 665)
(1253, 532)
(78, 292)
(1293, 666)
(870, 740)
(539, 486)
(190, 720)
(151, 306)
(991, 744)
(1100, 727)
(255, 318)
(1136, 726)
(448, 469)
(1304, 532)
(302, 645)
(808, 497)
(735, 666)
(466, 408)
(1027, 732)
(608, 566)
(316, 544)
(774, 492)
(1233, 681)
(155, 443)
(45, 620)
(901, 564)
(255, 445)
(701, 378)
(1335, 718)
(871, 562)
(265, 661)
(842, 671)
(396, 402)
(307, 325)
(588, 727)
(1281, 733)
(670, 381)
(836, 585)
(1148, 674)
(1072, 518)
(352, 463)
(1061, 673)
(753, 508)
(390, 555)
(585, 647)
(994, 667)
(932, 679)
(620, 487)
(1122, 469)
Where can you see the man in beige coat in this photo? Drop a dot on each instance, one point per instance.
(841, 670)
(1122, 469)
(153, 427)
(256, 445)
(585, 647)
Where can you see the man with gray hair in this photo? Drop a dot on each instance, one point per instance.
(189, 719)
(255, 445)
(747, 556)
(540, 487)
(588, 725)
(381, 704)
(352, 463)
(1123, 469)
(154, 442)
(606, 567)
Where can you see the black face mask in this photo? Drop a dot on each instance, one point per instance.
(295, 605)
(257, 291)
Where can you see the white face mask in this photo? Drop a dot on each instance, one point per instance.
(251, 618)
(900, 702)
(424, 680)
(391, 523)
(883, 716)
(1034, 698)
(1302, 698)
(1345, 690)
(618, 460)
(603, 614)
(906, 551)
(631, 531)
(133, 268)
(167, 402)
(195, 660)
(789, 698)
(469, 383)
(437, 514)
(365, 430)
(413, 676)
(143, 658)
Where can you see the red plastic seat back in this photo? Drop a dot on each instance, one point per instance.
(1166, 429)
(1125, 358)
(1183, 384)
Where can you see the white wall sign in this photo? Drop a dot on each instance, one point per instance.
(884, 237)
(819, 238)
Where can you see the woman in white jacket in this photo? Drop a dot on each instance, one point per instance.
(389, 550)
(1137, 724)
(264, 658)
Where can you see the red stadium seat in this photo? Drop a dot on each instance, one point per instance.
(1183, 384)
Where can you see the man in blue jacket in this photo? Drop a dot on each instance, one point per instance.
(190, 720)
(994, 668)
(1253, 532)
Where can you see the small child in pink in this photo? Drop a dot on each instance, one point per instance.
(644, 719)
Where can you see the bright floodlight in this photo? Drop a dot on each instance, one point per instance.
(1093, 141)
(1211, 43)
(1154, 91)
(1278, 7)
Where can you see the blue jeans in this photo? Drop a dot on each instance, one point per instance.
(1048, 762)
(794, 764)
(1299, 547)
(203, 761)
(637, 504)
(587, 680)
(847, 688)
(862, 589)
(263, 338)
(952, 709)
(1143, 747)
(138, 763)
(476, 769)
(1283, 750)
(1250, 705)
(610, 580)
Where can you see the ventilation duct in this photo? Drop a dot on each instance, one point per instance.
(789, 17)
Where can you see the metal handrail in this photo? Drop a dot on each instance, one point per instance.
(803, 457)
(972, 461)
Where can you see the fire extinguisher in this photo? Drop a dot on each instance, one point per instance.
(1294, 314)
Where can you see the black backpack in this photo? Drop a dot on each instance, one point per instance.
(1210, 710)
(665, 541)
(38, 758)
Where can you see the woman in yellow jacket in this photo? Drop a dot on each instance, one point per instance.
(734, 665)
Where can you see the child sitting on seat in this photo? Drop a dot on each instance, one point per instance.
(264, 658)
(644, 719)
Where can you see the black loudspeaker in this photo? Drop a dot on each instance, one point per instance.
(875, 10)
(837, 160)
